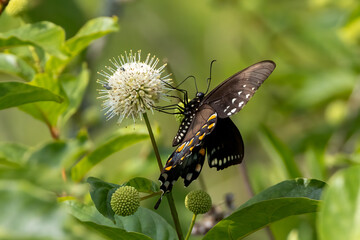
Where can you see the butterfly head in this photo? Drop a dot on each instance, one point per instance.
(200, 95)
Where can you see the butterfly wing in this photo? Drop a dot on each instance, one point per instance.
(224, 145)
(203, 124)
(193, 165)
(232, 95)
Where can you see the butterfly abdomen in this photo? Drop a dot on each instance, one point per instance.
(189, 113)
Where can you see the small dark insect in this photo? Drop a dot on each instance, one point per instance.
(107, 87)
(207, 129)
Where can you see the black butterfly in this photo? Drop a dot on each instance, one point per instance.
(207, 128)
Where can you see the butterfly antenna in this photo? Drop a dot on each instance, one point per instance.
(209, 79)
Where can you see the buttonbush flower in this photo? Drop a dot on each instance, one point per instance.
(125, 201)
(132, 86)
(198, 202)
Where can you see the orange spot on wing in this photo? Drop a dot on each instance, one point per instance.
(204, 126)
(211, 126)
(191, 149)
(168, 168)
(212, 117)
(198, 133)
(181, 147)
(202, 136)
(202, 151)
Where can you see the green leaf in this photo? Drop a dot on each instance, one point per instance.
(14, 94)
(59, 154)
(92, 30)
(280, 150)
(101, 192)
(74, 88)
(144, 224)
(11, 64)
(339, 215)
(143, 185)
(122, 138)
(29, 212)
(45, 35)
(12, 154)
(47, 112)
(291, 197)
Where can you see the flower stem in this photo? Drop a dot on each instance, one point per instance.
(153, 142)
(168, 195)
(191, 227)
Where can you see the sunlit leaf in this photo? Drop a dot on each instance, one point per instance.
(144, 224)
(288, 198)
(74, 88)
(45, 35)
(92, 30)
(14, 65)
(340, 212)
(47, 112)
(122, 138)
(13, 94)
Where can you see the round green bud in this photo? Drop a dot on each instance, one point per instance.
(15, 7)
(198, 202)
(125, 201)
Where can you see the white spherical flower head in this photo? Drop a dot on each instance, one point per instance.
(132, 86)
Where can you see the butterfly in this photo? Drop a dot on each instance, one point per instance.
(206, 128)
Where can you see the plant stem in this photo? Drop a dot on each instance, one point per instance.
(191, 227)
(153, 142)
(168, 195)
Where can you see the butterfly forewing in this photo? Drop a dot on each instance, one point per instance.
(224, 145)
(232, 95)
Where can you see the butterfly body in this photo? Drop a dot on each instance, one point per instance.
(207, 130)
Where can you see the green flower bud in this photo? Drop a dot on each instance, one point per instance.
(125, 201)
(198, 202)
(15, 7)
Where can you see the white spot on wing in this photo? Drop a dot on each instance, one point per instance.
(165, 176)
(233, 100)
(233, 110)
(241, 103)
(239, 93)
(198, 167)
(244, 85)
(226, 108)
(247, 95)
(229, 114)
(189, 176)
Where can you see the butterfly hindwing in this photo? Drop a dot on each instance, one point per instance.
(181, 158)
(193, 165)
(232, 95)
(225, 146)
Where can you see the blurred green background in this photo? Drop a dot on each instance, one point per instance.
(308, 109)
